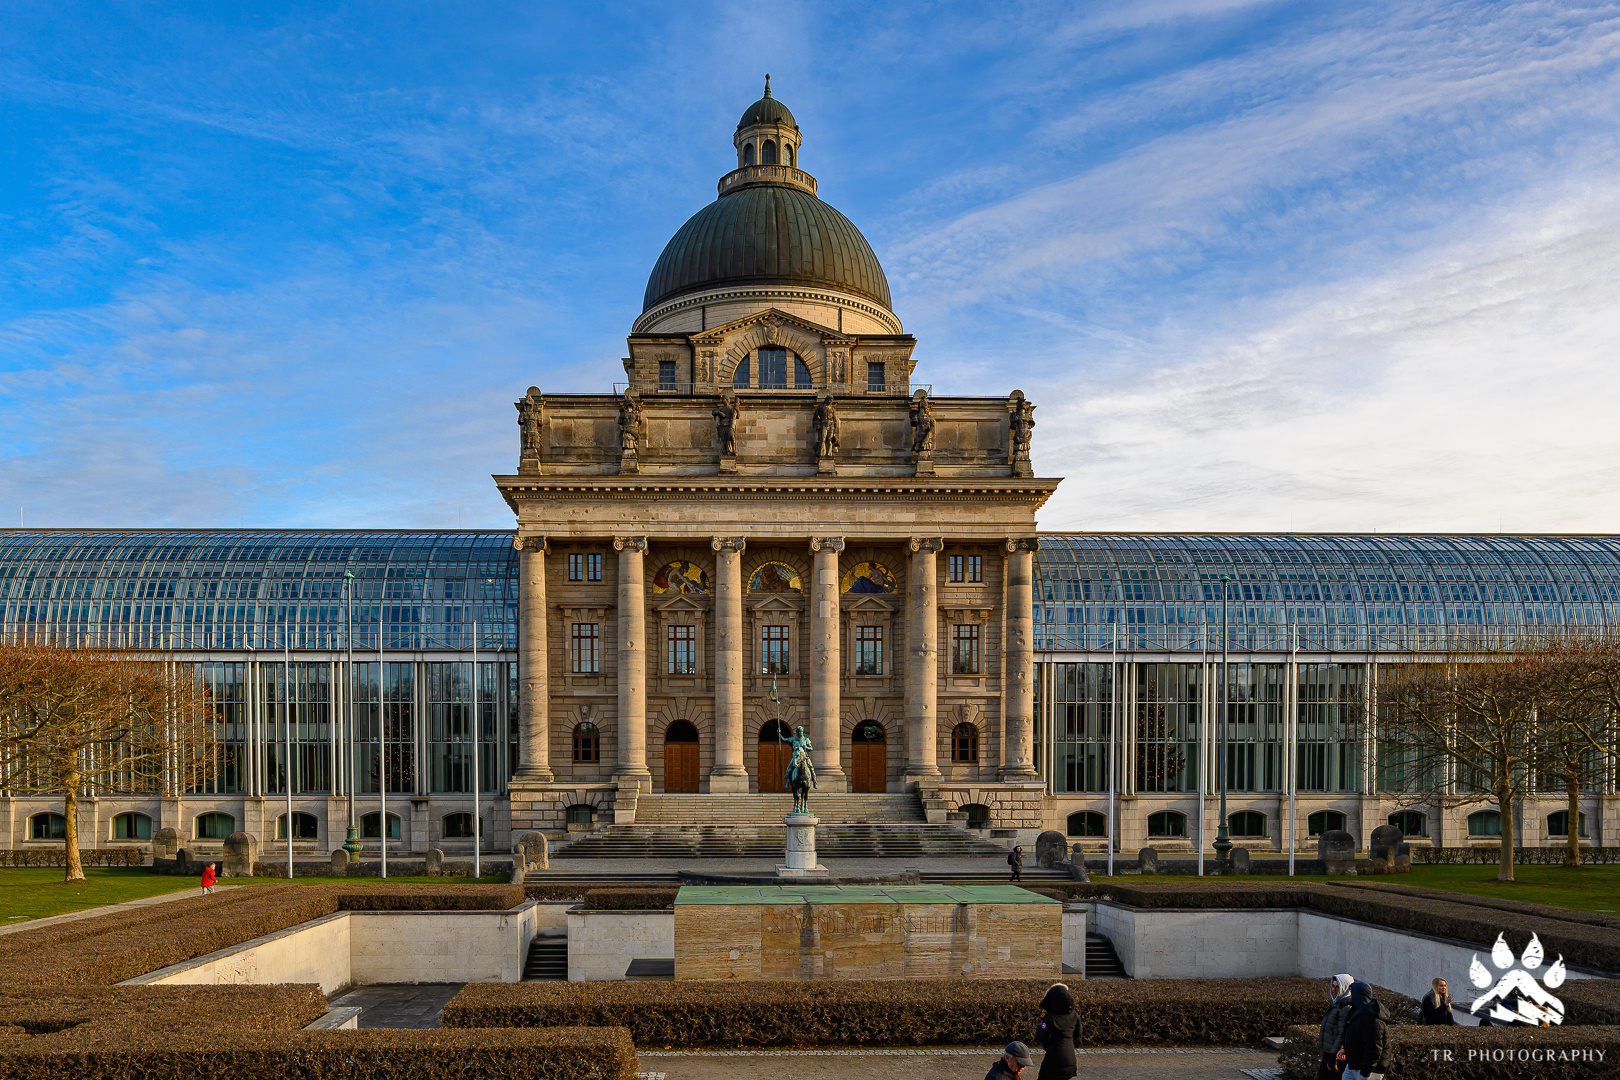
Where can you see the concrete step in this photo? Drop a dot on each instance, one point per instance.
(547, 960)
(1102, 962)
(713, 841)
(753, 808)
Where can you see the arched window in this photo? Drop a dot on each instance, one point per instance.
(305, 827)
(740, 377)
(371, 826)
(773, 369)
(978, 815)
(587, 742)
(132, 826)
(1087, 823)
(801, 375)
(748, 153)
(1325, 821)
(1167, 824)
(767, 153)
(1247, 823)
(581, 814)
(1410, 822)
(215, 826)
(1558, 824)
(787, 153)
(1485, 823)
(965, 744)
(47, 827)
(457, 826)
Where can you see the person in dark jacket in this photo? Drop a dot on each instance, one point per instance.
(1013, 1061)
(1331, 1038)
(1059, 1034)
(1015, 859)
(1436, 1005)
(1366, 1036)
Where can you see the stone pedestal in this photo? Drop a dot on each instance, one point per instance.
(801, 848)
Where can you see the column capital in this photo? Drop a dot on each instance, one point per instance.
(1030, 544)
(931, 544)
(829, 543)
(728, 543)
(629, 543)
(530, 543)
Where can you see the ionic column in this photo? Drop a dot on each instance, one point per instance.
(632, 678)
(534, 676)
(729, 773)
(922, 664)
(1018, 752)
(826, 666)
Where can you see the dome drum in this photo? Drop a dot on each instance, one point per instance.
(737, 179)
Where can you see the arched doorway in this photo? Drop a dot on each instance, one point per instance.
(869, 764)
(681, 758)
(774, 755)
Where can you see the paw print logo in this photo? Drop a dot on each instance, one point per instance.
(1517, 997)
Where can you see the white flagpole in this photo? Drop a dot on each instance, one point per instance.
(286, 711)
(1113, 734)
(382, 737)
(478, 839)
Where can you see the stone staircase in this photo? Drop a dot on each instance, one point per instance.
(889, 840)
(547, 960)
(755, 809)
(1102, 962)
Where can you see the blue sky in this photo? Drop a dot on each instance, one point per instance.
(1263, 266)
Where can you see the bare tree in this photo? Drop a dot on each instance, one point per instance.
(1478, 710)
(1576, 720)
(87, 721)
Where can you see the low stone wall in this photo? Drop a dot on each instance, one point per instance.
(601, 944)
(1077, 919)
(314, 952)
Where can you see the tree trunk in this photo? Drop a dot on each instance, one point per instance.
(1572, 853)
(70, 830)
(1504, 803)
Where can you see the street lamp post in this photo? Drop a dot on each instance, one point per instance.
(1223, 835)
(351, 840)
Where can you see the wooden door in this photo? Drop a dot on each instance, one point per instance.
(869, 765)
(774, 755)
(681, 758)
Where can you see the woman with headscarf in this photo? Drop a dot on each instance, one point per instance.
(1331, 1039)
(1366, 1036)
(1059, 1034)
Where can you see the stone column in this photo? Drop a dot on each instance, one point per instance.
(728, 773)
(1018, 751)
(534, 676)
(922, 662)
(632, 676)
(826, 665)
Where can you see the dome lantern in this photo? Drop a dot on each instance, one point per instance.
(767, 134)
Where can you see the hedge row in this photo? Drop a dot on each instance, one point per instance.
(1160, 1012)
(1522, 856)
(1473, 1053)
(643, 899)
(20, 857)
(1518, 907)
(135, 1009)
(427, 897)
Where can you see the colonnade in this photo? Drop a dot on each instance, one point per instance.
(823, 599)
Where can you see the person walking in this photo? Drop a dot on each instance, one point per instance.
(208, 879)
(1366, 1036)
(1015, 859)
(1011, 1064)
(1331, 1038)
(1436, 1005)
(1059, 1034)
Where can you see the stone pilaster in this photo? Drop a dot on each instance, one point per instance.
(632, 674)
(826, 665)
(922, 662)
(1018, 751)
(534, 675)
(728, 773)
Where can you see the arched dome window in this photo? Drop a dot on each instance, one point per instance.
(787, 153)
(767, 153)
(748, 154)
(773, 365)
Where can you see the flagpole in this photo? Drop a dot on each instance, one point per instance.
(286, 712)
(478, 839)
(382, 739)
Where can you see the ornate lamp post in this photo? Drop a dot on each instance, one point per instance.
(1223, 836)
(351, 840)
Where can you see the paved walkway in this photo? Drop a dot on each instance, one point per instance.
(951, 1064)
(413, 1005)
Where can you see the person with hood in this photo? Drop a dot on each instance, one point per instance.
(1331, 1039)
(208, 878)
(1436, 1005)
(1059, 1034)
(1011, 1064)
(1366, 1036)
(1015, 860)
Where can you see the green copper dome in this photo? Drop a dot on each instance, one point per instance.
(767, 234)
(767, 110)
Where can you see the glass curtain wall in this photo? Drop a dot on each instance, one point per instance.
(399, 714)
(450, 719)
(1255, 733)
(1167, 702)
(305, 701)
(1078, 696)
(226, 685)
(1329, 752)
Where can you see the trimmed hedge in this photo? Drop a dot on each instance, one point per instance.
(1493, 1053)
(1518, 907)
(23, 857)
(644, 899)
(428, 897)
(1522, 856)
(1159, 1012)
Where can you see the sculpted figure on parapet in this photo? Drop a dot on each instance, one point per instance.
(922, 423)
(826, 424)
(725, 423)
(1022, 423)
(630, 422)
(529, 423)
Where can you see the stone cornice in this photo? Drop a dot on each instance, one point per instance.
(517, 489)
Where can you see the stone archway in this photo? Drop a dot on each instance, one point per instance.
(869, 757)
(681, 775)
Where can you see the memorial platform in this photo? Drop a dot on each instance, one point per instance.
(866, 932)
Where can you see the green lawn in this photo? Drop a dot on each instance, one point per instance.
(1591, 888)
(37, 893)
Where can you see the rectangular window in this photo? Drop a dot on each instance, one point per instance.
(666, 374)
(869, 650)
(682, 650)
(587, 648)
(954, 568)
(965, 649)
(975, 569)
(773, 369)
(740, 378)
(874, 378)
(593, 567)
(774, 649)
(576, 566)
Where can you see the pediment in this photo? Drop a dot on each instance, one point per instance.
(777, 602)
(869, 602)
(683, 602)
(774, 318)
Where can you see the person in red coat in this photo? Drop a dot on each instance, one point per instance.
(208, 878)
